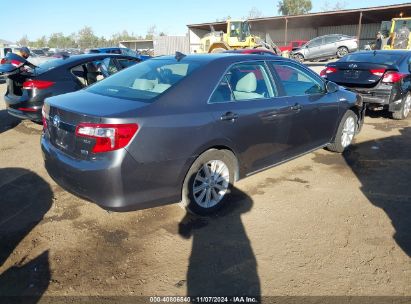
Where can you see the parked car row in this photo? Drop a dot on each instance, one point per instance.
(185, 128)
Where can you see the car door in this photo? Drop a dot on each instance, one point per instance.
(248, 112)
(316, 112)
(314, 48)
(330, 45)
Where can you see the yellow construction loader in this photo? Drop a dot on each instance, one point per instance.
(397, 33)
(236, 36)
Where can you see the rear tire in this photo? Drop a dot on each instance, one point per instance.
(405, 108)
(208, 182)
(345, 132)
(342, 51)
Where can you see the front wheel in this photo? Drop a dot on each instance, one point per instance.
(345, 132)
(208, 182)
(299, 58)
(405, 108)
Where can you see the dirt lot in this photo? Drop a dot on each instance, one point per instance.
(324, 224)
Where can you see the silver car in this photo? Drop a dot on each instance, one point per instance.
(326, 47)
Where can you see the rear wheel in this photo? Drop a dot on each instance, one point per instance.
(345, 133)
(405, 108)
(342, 51)
(208, 182)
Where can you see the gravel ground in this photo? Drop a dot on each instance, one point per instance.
(323, 224)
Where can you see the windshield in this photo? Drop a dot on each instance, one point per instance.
(379, 58)
(146, 80)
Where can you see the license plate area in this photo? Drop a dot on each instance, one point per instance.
(351, 74)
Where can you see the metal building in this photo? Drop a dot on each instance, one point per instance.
(363, 23)
(159, 45)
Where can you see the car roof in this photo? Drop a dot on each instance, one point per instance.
(390, 52)
(224, 57)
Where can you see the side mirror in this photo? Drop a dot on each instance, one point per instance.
(331, 87)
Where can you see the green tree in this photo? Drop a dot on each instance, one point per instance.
(40, 42)
(86, 38)
(294, 7)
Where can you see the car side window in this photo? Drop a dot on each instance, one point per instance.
(88, 73)
(108, 66)
(330, 39)
(297, 82)
(244, 81)
(125, 63)
(316, 42)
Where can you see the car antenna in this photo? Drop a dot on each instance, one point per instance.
(179, 56)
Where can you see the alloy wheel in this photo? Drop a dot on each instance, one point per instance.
(348, 132)
(342, 52)
(211, 183)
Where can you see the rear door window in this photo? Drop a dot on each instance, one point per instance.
(331, 39)
(244, 81)
(297, 82)
(89, 72)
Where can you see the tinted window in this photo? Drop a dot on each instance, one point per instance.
(315, 42)
(109, 66)
(125, 63)
(371, 58)
(146, 80)
(244, 81)
(331, 39)
(297, 82)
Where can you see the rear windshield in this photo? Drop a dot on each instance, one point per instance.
(381, 58)
(48, 65)
(145, 80)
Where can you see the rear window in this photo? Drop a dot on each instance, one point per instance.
(388, 59)
(49, 64)
(146, 80)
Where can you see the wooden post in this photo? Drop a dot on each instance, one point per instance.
(359, 29)
(286, 30)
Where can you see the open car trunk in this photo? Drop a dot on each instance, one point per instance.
(17, 70)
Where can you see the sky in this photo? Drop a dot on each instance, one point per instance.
(107, 17)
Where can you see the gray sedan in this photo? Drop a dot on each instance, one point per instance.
(326, 47)
(185, 128)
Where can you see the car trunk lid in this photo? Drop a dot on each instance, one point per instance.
(64, 113)
(357, 74)
(17, 70)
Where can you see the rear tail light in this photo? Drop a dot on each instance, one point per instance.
(377, 72)
(109, 137)
(27, 109)
(13, 62)
(392, 77)
(328, 70)
(37, 84)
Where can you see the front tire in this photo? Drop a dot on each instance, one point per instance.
(405, 108)
(345, 132)
(208, 182)
(299, 58)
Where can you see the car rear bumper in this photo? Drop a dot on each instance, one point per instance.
(15, 105)
(115, 181)
(389, 97)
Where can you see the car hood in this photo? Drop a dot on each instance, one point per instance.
(91, 104)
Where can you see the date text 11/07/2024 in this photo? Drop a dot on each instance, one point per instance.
(240, 299)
